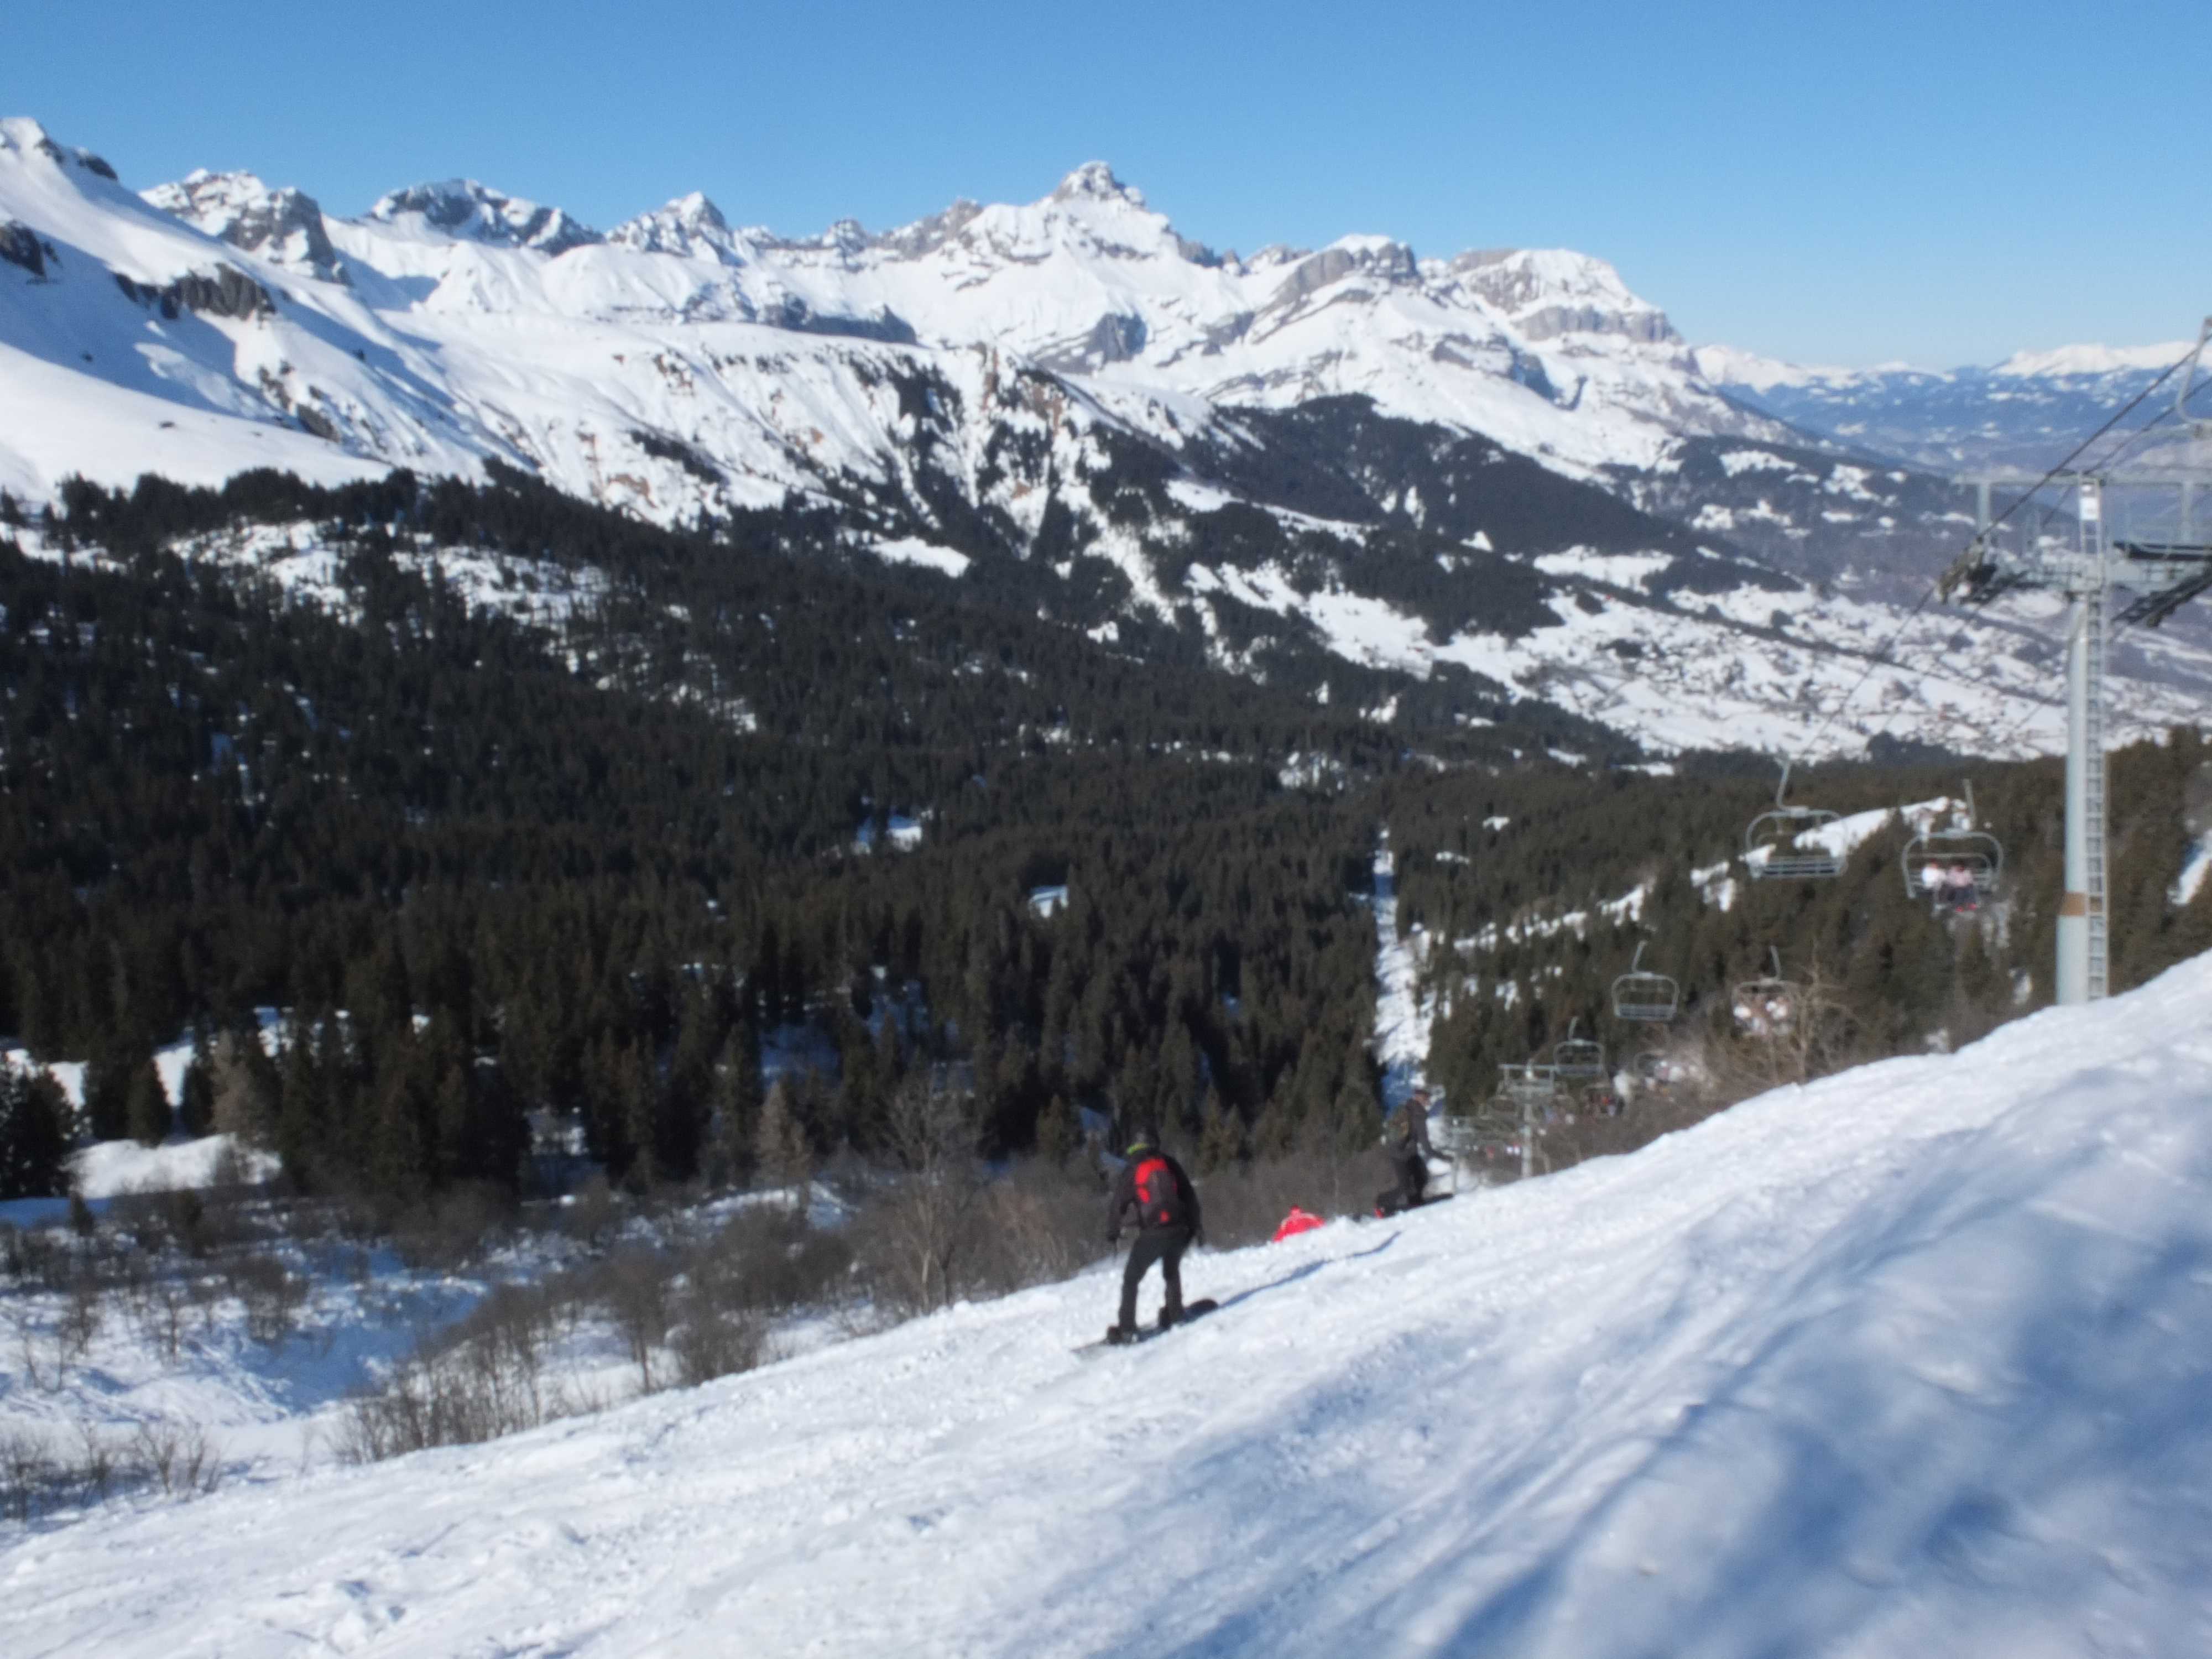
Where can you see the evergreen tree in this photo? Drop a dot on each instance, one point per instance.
(34, 1136)
(145, 1105)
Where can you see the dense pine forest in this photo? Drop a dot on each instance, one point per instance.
(517, 883)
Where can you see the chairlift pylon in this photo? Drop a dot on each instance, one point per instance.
(1954, 868)
(1650, 997)
(1578, 1059)
(1766, 1006)
(1771, 851)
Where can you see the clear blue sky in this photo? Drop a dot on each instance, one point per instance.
(1941, 181)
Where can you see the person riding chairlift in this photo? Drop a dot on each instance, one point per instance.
(1959, 887)
(1933, 884)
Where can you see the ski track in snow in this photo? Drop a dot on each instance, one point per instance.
(1909, 1361)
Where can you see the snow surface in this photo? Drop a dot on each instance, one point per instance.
(1910, 1361)
(2193, 869)
(1404, 1017)
(109, 1168)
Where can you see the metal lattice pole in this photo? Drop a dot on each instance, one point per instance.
(2082, 940)
(2093, 622)
(2164, 575)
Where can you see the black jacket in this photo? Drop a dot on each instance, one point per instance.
(1123, 1207)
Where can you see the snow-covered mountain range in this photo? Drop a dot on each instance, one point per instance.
(480, 325)
(1338, 445)
(2027, 411)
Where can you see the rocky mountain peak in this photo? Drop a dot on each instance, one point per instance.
(284, 226)
(1095, 181)
(686, 226)
(465, 210)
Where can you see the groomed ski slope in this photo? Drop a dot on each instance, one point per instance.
(1911, 1362)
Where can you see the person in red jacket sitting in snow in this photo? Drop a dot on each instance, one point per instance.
(1152, 1191)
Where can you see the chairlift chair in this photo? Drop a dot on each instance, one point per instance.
(1770, 849)
(1578, 1059)
(1525, 1096)
(1654, 1071)
(1648, 997)
(1526, 1083)
(1978, 852)
(1766, 1006)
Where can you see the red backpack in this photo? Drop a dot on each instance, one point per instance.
(1159, 1203)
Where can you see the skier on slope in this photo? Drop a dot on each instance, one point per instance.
(1152, 1191)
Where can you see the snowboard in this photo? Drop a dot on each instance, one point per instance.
(1192, 1311)
(1379, 1214)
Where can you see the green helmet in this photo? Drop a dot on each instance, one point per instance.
(1146, 1139)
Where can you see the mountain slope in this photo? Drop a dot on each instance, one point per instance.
(1906, 1361)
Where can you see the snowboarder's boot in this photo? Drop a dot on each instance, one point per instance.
(1170, 1316)
(1118, 1333)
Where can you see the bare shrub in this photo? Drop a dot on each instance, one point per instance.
(450, 1231)
(205, 1293)
(595, 1213)
(158, 1312)
(37, 1372)
(272, 1293)
(81, 1317)
(1039, 1223)
(777, 1260)
(482, 1378)
(178, 1457)
(99, 1462)
(780, 1151)
(635, 1290)
(713, 1337)
(917, 1235)
(28, 1474)
(729, 1283)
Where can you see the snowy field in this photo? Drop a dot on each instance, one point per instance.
(1909, 1362)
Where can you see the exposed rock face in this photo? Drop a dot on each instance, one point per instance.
(1549, 292)
(226, 291)
(463, 208)
(19, 246)
(1386, 261)
(1116, 337)
(283, 225)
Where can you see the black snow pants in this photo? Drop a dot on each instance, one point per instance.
(1165, 1245)
(1413, 1184)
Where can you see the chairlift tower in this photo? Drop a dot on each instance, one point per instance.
(2163, 574)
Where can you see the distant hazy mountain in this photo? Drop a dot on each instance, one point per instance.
(2027, 411)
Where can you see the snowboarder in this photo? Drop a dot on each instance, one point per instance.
(1153, 1191)
(1410, 1158)
(1415, 1110)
